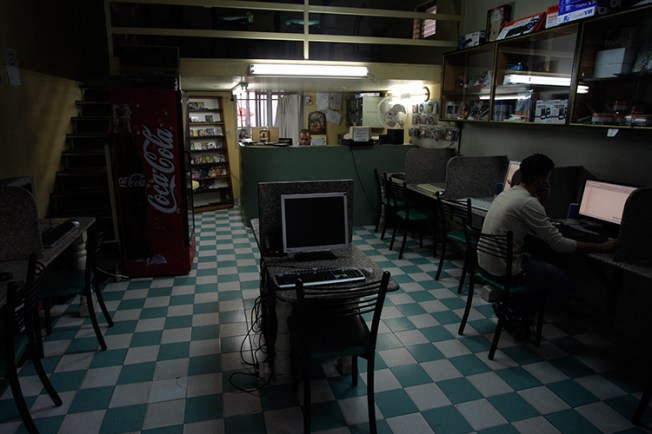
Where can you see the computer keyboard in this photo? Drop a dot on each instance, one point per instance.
(578, 233)
(54, 233)
(319, 276)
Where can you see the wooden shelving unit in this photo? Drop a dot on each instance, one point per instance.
(209, 156)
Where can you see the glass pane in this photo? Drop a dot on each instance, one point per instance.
(614, 80)
(533, 76)
(467, 84)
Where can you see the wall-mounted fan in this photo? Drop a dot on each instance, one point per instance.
(392, 113)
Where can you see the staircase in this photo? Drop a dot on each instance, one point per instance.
(82, 184)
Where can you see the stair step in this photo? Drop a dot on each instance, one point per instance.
(91, 124)
(93, 108)
(82, 179)
(84, 159)
(87, 141)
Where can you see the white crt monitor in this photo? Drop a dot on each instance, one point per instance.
(604, 201)
(314, 222)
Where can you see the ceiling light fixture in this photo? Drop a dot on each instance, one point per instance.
(308, 70)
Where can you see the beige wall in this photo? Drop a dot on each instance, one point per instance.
(51, 55)
(33, 126)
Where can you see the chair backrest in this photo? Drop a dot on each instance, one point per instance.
(327, 304)
(423, 165)
(19, 229)
(94, 244)
(474, 176)
(453, 216)
(498, 246)
(395, 190)
(636, 228)
(380, 186)
(21, 303)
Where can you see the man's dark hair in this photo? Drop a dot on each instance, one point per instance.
(535, 166)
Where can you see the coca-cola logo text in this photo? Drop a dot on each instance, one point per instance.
(159, 155)
(133, 180)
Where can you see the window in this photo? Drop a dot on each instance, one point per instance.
(256, 109)
(423, 29)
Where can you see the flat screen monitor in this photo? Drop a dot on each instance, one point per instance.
(314, 222)
(604, 201)
(511, 169)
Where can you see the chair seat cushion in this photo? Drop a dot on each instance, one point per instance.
(416, 214)
(398, 203)
(61, 283)
(456, 236)
(349, 336)
(514, 290)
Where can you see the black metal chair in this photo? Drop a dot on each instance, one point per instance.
(62, 283)
(19, 328)
(407, 214)
(500, 246)
(382, 201)
(388, 207)
(453, 218)
(330, 323)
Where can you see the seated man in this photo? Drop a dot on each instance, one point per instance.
(519, 210)
(304, 138)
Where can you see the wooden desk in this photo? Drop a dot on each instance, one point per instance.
(428, 190)
(75, 238)
(278, 302)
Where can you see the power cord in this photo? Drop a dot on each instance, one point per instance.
(253, 328)
(364, 190)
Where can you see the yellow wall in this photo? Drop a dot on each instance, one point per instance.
(33, 126)
(332, 130)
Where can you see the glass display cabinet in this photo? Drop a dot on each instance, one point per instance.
(467, 82)
(615, 71)
(533, 76)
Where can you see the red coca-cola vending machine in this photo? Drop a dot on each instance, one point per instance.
(150, 179)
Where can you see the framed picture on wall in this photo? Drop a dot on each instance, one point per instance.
(317, 122)
(496, 19)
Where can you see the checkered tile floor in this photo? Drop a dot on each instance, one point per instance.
(174, 361)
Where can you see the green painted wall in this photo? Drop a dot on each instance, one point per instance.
(268, 163)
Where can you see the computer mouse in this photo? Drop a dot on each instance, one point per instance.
(73, 221)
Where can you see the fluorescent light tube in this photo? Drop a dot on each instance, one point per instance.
(308, 70)
(536, 79)
(507, 96)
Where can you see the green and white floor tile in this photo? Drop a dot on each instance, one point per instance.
(175, 360)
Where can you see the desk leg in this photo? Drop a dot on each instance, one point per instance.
(643, 402)
(282, 346)
(79, 256)
(79, 249)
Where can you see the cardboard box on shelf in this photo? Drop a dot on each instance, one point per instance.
(551, 16)
(551, 111)
(571, 10)
(613, 61)
(496, 19)
(522, 26)
(471, 39)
